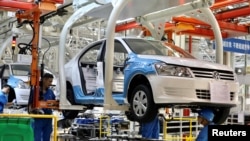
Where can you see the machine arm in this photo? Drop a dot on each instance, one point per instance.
(31, 11)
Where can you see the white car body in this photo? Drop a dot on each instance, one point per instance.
(150, 74)
(20, 83)
(184, 90)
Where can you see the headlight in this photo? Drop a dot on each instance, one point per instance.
(172, 70)
(22, 85)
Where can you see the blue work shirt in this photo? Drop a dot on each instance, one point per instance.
(3, 101)
(203, 135)
(48, 95)
(43, 126)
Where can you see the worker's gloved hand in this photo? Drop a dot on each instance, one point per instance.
(37, 111)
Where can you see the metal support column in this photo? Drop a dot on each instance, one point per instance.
(109, 102)
(64, 103)
(217, 34)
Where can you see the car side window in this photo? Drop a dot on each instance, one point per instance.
(120, 54)
(90, 57)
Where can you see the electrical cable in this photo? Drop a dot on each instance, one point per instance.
(47, 49)
(24, 46)
(42, 66)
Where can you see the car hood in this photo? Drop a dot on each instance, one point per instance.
(188, 62)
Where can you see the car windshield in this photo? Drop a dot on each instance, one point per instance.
(152, 47)
(20, 70)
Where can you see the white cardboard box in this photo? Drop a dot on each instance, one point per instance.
(23, 58)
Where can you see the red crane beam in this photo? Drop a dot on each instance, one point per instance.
(207, 33)
(15, 5)
(195, 22)
(233, 13)
(222, 3)
(222, 24)
(127, 26)
(190, 20)
(234, 27)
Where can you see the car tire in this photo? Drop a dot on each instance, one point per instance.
(129, 115)
(143, 108)
(70, 114)
(221, 115)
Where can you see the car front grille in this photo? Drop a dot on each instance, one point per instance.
(208, 73)
(205, 94)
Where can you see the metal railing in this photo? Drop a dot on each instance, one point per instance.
(181, 134)
(103, 130)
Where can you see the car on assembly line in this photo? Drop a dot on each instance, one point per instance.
(17, 75)
(147, 75)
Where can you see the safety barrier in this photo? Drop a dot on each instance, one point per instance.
(101, 127)
(37, 116)
(181, 134)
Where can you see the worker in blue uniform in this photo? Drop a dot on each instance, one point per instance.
(151, 130)
(205, 118)
(43, 126)
(4, 97)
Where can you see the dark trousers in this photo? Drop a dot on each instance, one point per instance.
(151, 130)
(42, 129)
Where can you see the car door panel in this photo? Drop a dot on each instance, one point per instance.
(88, 69)
(90, 73)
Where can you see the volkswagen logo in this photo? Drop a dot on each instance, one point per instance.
(216, 75)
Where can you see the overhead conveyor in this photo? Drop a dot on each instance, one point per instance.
(188, 7)
(85, 7)
(123, 9)
(196, 24)
(100, 9)
(31, 11)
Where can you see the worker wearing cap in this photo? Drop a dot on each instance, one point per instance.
(205, 118)
(43, 126)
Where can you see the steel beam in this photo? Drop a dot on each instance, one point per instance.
(15, 5)
(233, 13)
(190, 20)
(207, 33)
(109, 102)
(222, 3)
(127, 26)
(178, 10)
(234, 27)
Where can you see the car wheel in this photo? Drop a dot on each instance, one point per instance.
(129, 115)
(70, 114)
(221, 115)
(142, 105)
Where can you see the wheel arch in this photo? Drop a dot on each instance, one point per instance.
(136, 80)
(69, 85)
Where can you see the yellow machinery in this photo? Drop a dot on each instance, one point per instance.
(182, 136)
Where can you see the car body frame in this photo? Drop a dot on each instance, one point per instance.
(148, 75)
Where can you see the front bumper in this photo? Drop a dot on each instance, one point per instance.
(180, 90)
